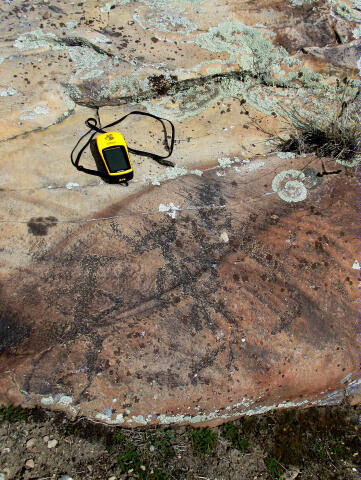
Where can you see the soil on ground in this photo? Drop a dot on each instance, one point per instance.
(313, 444)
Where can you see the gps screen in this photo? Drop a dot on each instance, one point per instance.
(117, 159)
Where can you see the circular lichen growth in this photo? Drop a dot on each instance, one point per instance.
(288, 184)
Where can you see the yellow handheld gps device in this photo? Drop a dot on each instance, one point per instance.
(114, 152)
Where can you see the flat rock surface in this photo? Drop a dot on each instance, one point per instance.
(223, 286)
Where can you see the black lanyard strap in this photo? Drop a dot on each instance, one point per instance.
(92, 124)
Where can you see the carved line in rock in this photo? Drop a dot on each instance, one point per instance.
(61, 119)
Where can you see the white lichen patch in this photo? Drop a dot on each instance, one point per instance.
(255, 165)
(106, 417)
(355, 160)
(225, 162)
(288, 184)
(286, 155)
(59, 399)
(38, 110)
(9, 92)
(244, 45)
(86, 60)
(109, 5)
(334, 397)
(356, 33)
(200, 418)
(353, 387)
(301, 2)
(351, 13)
(27, 116)
(35, 40)
(169, 208)
(41, 110)
(141, 420)
(170, 173)
(71, 25)
(71, 185)
(65, 400)
(171, 20)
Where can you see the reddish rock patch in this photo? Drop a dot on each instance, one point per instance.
(240, 302)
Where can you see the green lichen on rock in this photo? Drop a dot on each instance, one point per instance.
(299, 3)
(108, 5)
(166, 20)
(244, 45)
(351, 13)
(122, 86)
(35, 40)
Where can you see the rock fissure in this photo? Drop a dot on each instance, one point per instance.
(61, 119)
(81, 42)
(174, 87)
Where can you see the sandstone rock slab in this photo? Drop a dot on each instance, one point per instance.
(222, 287)
(205, 298)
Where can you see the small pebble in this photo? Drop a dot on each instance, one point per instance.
(152, 448)
(46, 438)
(52, 443)
(142, 467)
(30, 443)
(112, 478)
(29, 463)
(224, 237)
(66, 477)
(2, 476)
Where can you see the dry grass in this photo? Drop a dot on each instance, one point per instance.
(336, 135)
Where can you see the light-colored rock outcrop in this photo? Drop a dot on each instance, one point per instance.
(197, 293)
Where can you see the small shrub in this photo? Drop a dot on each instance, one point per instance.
(162, 442)
(158, 475)
(129, 458)
(118, 438)
(73, 430)
(13, 414)
(204, 440)
(274, 467)
(319, 450)
(232, 433)
(335, 133)
(336, 450)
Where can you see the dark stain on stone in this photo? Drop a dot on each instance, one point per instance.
(161, 84)
(56, 9)
(39, 226)
(313, 179)
(12, 329)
